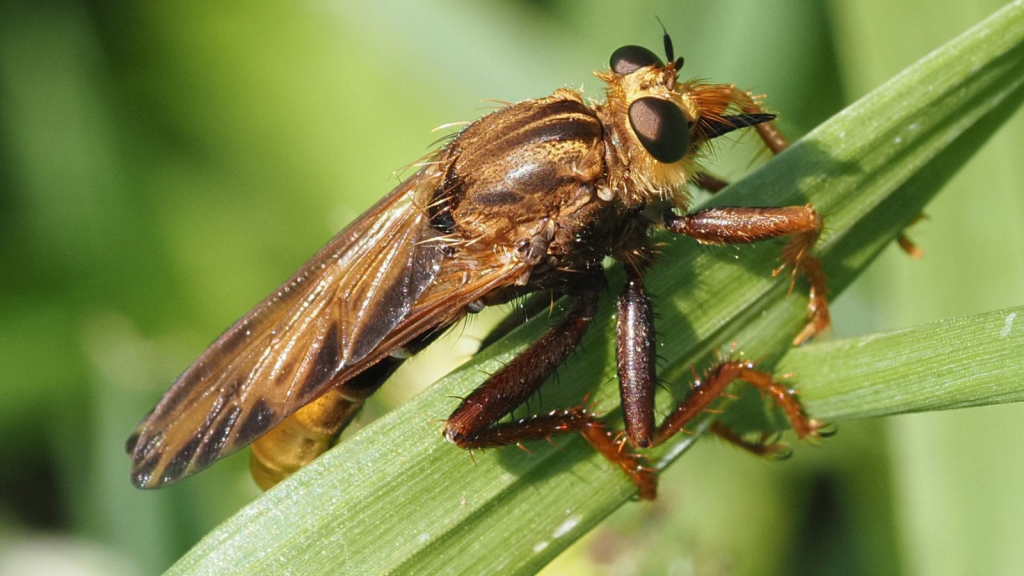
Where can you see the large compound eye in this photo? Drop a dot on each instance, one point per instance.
(630, 58)
(661, 128)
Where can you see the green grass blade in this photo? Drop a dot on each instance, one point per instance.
(956, 363)
(397, 499)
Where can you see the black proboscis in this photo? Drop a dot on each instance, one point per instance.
(716, 128)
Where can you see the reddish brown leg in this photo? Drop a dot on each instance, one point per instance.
(474, 422)
(907, 245)
(636, 356)
(744, 225)
(713, 386)
(741, 225)
(763, 448)
(772, 137)
(577, 419)
(708, 182)
(635, 347)
(777, 142)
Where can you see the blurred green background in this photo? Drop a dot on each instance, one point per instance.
(165, 165)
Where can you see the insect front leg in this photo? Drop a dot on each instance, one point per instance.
(474, 424)
(745, 225)
(719, 99)
(772, 137)
(709, 182)
(777, 142)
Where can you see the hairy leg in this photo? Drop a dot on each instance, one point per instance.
(745, 225)
(475, 423)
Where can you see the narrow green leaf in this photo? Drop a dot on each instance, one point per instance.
(955, 363)
(397, 499)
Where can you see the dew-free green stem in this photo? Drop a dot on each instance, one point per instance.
(954, 363)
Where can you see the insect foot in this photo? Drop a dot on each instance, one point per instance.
(556, 422)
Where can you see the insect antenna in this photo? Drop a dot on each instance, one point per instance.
(670, 53)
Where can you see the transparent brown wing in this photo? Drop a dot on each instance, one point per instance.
(380, 282)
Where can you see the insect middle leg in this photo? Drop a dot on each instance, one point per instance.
(474, 424)
(636, 345)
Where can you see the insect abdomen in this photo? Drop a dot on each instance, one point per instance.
(300, 438)
(310, 430)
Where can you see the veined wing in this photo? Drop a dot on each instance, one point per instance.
(355, 301)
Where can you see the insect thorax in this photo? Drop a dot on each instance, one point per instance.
(529, 182)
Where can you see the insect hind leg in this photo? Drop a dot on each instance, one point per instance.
(474, 424)
(767, 446)
(555, 422)
(713, 386)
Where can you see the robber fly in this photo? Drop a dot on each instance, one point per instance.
(530, 198)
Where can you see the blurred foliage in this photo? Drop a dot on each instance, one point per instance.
(163, 166)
